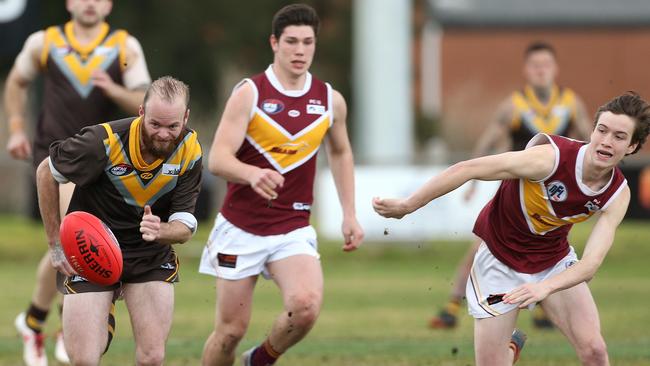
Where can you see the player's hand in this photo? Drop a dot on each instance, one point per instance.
(352, 234)
(265, 182)
(150, 225)
(19, 146)
(526, 294)
(102, 80)
(59, 262)
(391, 207)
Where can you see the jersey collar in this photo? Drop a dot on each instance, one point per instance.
(273, 79)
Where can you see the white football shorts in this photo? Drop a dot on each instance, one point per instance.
(232, 253)
(490, 279)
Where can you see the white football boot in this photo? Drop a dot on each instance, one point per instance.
(33, 343)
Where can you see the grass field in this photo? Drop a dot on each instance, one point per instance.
(377, 302)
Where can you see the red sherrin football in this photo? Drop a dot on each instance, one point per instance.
(91, 248)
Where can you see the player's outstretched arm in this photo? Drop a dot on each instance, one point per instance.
(48, 202)
(228, 139)
(599, 242)
(341, 161)
(534, 163)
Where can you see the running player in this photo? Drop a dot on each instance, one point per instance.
(265, 146)
(141, 176)
(90, 72)
(541, 107)
(525, 257)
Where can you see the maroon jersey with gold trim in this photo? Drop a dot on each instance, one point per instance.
(527, 222)
(285, 132)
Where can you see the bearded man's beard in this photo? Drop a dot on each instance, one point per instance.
(157, 148)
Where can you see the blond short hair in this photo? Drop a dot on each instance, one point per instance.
(168, 89)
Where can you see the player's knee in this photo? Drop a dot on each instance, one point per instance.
(303, 308)
(150, 356)
(229, 334)
(593, 352)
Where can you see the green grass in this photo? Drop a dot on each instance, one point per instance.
(377, 303)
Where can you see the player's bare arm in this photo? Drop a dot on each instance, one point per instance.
(534, 163)
(599, 242)
(341, 161)
(136, 79)
(228, 139)
(20, 77)
(496, 134)
(153, 229)
(127, 100)
(48, 200)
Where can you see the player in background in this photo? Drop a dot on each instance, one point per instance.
(91, 71)
(265, 146)
(140, 176)
(525, 258)
(541, 107)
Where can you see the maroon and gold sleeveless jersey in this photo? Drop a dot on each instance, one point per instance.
(70, 99)
(285, 132)
(527, 222)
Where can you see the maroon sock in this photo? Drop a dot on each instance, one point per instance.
(264, 355)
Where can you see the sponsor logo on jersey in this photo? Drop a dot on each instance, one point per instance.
(290, 148)
(593, 205)
(557, 191)
(315, 109)
(315, 101)
(299, 206)
(171, 169)
(541, 219)
(293, 113)
(272, 106)
(146, 175)
(121, 169)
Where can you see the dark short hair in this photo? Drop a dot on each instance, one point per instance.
(538, 46)
(632, 105)
(168, 89)
(294, 14)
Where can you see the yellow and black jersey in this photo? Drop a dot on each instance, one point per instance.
(114, 183)
(70, 99)
(531, 116)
